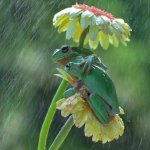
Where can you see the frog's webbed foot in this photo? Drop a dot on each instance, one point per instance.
(87, 63)
(97, 61)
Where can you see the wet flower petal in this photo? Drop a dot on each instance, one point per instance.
(71, 29)
(104, 40)
(63, 74)
(74, 13)
(94, 44)
(113, 40)
(76, 106)
(93, 32)
(86, 14)
(77, 32)
(75, 19)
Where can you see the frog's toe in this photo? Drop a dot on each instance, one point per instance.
(89, 68)
(85, 67)
(81, 64)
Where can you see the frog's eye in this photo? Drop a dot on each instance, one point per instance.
(67, 66)
(65, 48)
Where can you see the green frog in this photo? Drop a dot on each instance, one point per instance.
(67, 53)
(101, 93)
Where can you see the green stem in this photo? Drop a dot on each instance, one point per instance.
(50, 115)
(82, 37)
(68, 125)
(61, 136)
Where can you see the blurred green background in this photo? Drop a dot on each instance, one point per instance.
(27, 83)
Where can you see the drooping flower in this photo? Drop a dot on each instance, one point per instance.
(78, 107)
(102, 27)
(83, 115)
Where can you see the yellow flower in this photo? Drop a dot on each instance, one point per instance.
(64, 75)
(102, 27)
(83, 115)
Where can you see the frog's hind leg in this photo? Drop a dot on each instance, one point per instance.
(112, 110)
(98, 108)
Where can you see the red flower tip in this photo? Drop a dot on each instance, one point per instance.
(96, 11)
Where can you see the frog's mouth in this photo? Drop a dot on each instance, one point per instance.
(64, 61)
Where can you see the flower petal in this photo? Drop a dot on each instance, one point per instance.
(117, 27)
(77, 32)
(64, 25)
(114, 30)
(74, 13)
(86, 14)
(79, 118)
(88, 130)
(65, 112)
(113, 40)
(71, 28)
(59, 21)
(106, 20)
(94, 44)
(82, 114)
(63, 12)
(65, 75)
(59, 103)
(104, 40)
(86, 39)
(99, 21)
(85, 22)
(93, 32)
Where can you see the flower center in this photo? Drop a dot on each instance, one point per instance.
(96, 11)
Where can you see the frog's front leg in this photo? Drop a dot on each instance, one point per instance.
(97, 61)
(69, 92)
(76, 88)
(87, 63)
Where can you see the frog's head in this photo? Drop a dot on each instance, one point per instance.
(73, 69)
(64, 54)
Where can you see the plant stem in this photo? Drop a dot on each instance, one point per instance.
(50, 115)
(61, 136)
(68, 125)
(82, 37)
(51, 111)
